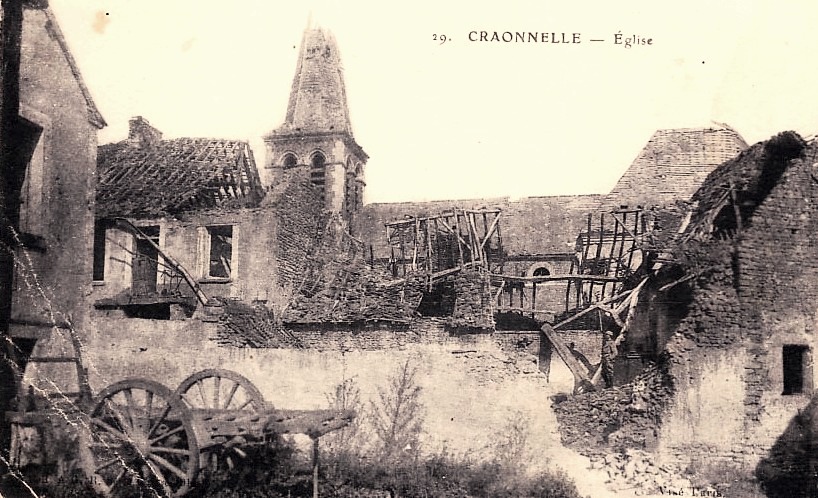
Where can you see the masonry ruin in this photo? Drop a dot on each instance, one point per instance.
(679, 305)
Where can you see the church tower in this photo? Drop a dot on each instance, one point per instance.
(317, 134)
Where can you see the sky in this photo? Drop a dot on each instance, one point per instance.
(460, 119)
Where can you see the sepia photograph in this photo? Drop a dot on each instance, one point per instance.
(356, 249)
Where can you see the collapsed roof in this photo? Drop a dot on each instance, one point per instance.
(145, 176)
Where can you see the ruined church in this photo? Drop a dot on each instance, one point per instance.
(668, 290)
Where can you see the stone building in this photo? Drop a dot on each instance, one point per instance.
(58, 127)
(729, 319)
(194, 199)
(740, 354)
(56, 145)
(58, 132)
(203, 201)
(317, 132)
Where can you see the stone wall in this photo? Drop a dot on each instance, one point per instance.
(53, 282)
(753, 294)
(299, 227)
(470, 385)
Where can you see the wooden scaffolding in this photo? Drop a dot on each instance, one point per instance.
(445, 243)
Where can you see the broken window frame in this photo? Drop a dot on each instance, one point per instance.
(206, 253)
(151, 257)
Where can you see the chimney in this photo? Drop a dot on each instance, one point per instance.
(141, 133)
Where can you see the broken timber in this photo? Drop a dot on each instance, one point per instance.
(630, 299)
(446, 243)
(580, 374)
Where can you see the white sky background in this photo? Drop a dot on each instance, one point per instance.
(462, 119)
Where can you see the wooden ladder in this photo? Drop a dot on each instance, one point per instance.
(77, 395)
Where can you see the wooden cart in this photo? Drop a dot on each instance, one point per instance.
(143, 434)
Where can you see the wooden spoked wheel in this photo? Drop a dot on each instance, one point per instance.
(141, 437)
(219, 389)
(211, 391)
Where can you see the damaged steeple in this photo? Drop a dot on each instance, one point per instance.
(318, 100)
(317, 134)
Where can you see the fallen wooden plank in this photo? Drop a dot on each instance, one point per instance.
(577, 369)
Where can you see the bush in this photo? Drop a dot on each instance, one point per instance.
(440, 476)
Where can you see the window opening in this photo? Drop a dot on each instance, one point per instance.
(290, 161)
(795, 368)
(145, 262)
(221, 251)
(100, 232)
(318, 172)
(541, 272)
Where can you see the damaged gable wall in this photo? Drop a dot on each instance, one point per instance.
(758, 295)
(719, 391)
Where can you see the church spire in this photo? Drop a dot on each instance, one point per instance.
(318, 101)
(316, 137)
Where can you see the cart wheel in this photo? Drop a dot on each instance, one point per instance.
(140, 437)
(219, 389)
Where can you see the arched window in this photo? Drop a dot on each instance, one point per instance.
(540, 269)
(541, 272)
(318, 172)
(350, 203)
(359, 192)
(290, 160)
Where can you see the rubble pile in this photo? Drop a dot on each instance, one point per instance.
(245, 326)
(300, 222)
(593, 423)
(636, 469)
(358, 294)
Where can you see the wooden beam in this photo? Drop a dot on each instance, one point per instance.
(490, 231)
(499, 291)
(676, 282)
(521, 309)
(415, 237)
(575, 316)
(459, 238)
(622, 223)
(473, 238)
(558, 277)
(194, 285)
(315, 459)
(576, 368)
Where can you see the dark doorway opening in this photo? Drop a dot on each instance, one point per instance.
(439, 301)
(794, 363)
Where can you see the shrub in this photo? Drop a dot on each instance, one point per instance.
(397, 417)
